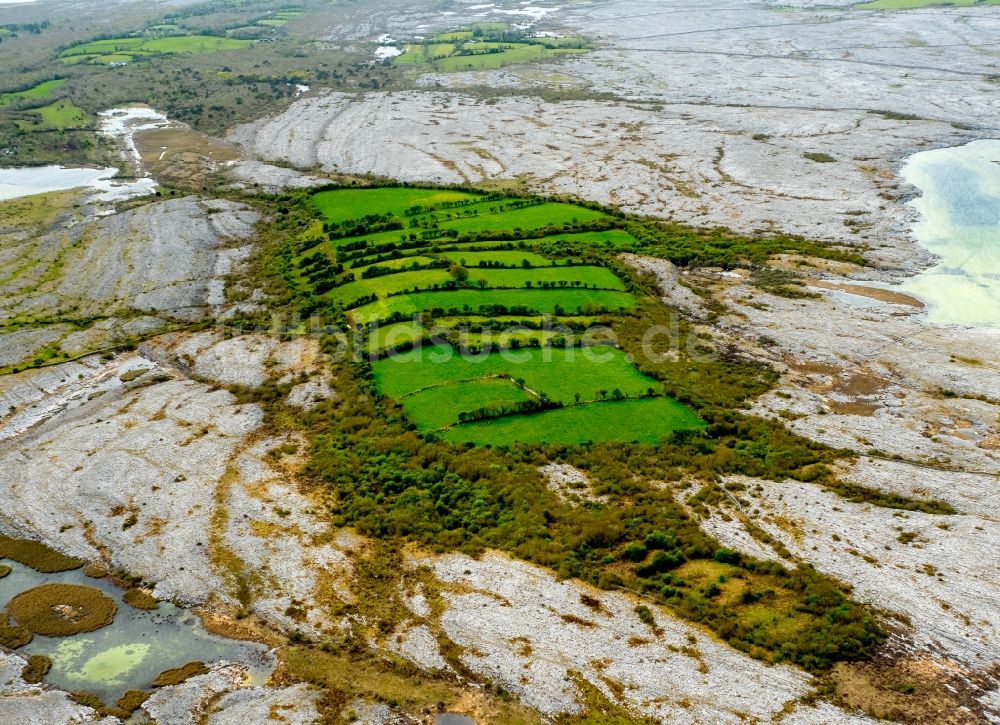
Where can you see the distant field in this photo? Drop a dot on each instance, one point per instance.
(40, 92)
(61, 115)
(128, 49)
(365, 246)
(486, 46)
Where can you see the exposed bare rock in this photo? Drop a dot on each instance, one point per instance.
(698, 164)
(193, 699)
(160, 257)
(269, 178)
(128, 461)
(417, 644)
(294, 705)
(123, 275)
(571, 484)
(526, 630)
(675, 293)
(21, 702)
(937, 570)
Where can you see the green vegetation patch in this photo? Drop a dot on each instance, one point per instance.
(649, 420)
(486, 46)
(61, 610)
(475, 301)
(59, 116)
(41, 92)
(131, 48)
(561, 374)
(36, 555)
(177, 675)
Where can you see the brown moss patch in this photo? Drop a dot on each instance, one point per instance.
(12, 636)
(61, 610)
(36, 555)
(95, 571)
(4, 570)
(177, 675)
(38, 666)
(132, 700)
(139, 599)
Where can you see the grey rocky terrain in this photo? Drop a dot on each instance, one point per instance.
(706, 119)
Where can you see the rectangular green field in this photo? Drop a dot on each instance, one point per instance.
(36, 93)
(436, 408)
(491, 61)
(571, 301)
(528, 217)
(594, 277)
(339, 205)
(610, 238)
(400, 263)
(402, 333)
(506, 258)
(645, 421)
(559, 373)
(61, 115)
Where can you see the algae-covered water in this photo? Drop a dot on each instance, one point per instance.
(129, 653)
(959, 222)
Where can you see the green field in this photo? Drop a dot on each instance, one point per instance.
(487, 268)
(59, 116)
(559, 373)
(468, 301)
(483, 278)
(41, 92)
(644, 421)
(382, 337)
(436, 408)
(486, 46)
(132, 48)
(343, 204)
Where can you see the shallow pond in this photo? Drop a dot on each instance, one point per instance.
(134, 649)
(21, 181)
(959, 222)
(29, 180)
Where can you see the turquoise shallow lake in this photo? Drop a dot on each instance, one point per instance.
(959, 222)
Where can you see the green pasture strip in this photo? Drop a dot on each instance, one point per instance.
(466, 301)
(506, 258)
(340, 205)
(389, 284)
(649, 420)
